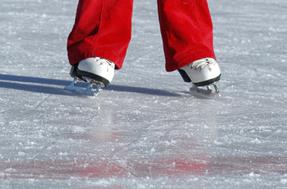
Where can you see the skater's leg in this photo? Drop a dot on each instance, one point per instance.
(102, 29)
(187, 34)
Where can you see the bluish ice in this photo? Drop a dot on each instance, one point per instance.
(146, 130)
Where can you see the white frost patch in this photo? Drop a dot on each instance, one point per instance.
(21, 153)
(256, 141)
(252, 174)
(10, 170)
(283, 181)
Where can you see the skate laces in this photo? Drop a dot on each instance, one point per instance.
(102, 61)
(201, 64)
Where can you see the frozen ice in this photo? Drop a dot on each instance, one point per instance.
(146, 130)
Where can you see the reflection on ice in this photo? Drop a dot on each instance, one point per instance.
(146, 130)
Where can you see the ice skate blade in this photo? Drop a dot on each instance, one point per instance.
(85, 88)
(209, 90)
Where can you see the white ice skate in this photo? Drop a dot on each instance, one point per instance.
(202, 73)
(91, 75)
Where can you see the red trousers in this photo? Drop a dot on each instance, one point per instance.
(103, 28)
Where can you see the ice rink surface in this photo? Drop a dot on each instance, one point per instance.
(146, 130)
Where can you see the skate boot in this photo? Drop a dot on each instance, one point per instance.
(96, 72)
(202, 73)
